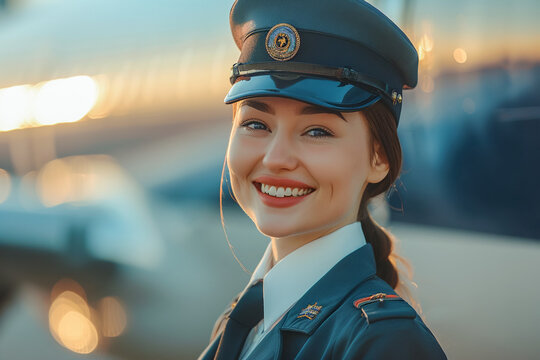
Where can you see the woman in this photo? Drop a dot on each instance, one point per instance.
(316, 101)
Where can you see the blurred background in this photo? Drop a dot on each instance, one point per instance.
(112, 138)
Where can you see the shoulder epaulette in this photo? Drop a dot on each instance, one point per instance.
(384, 306)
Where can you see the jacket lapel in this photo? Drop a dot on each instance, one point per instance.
(329, 292)
(319, 302)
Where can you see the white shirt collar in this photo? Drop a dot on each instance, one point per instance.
(289, 279)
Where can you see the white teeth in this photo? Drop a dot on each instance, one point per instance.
(284, 192)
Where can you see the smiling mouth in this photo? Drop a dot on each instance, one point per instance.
(282, 191)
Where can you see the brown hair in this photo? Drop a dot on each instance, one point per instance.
(383, 129)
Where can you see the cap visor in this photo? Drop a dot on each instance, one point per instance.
(324, 92)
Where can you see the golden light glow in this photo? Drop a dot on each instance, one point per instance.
(70, 320)
(16, 105)
(65, 100)
(424, 46)
(67, 301)
(460, 56)
(426, 43)
(113, 317)
(77, 333)
(5, 185)
(52, 102)
(74, 324)
(421, 53)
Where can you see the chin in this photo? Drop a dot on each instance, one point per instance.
(282, 229)
(278, 230)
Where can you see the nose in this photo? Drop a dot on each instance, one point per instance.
(280, 153)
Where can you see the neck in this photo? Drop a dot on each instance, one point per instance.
(283, 246)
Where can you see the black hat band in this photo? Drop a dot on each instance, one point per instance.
(345, 75)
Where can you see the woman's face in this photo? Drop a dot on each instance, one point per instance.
(298, 169)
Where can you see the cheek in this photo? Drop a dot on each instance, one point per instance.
(240, 159)
(342, 170)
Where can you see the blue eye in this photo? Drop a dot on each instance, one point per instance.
(254, 125)
(319, 132)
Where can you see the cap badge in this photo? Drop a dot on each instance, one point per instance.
(282, 42)
(310, 311)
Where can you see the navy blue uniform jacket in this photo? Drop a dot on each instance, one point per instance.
(377, 329)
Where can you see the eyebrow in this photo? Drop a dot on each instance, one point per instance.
(307, 110)
(259, 106)
(314, 109)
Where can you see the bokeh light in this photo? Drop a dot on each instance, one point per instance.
(65, 100)
(460, 56)
(425, 46)
(427, 42)
(70, 320)
(77, 333)
(16, 104)
(52, 102)
(421, 53)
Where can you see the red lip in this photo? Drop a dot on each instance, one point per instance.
(282, 202)
(269, 180)
(276, 202)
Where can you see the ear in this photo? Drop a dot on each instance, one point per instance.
(379, 165)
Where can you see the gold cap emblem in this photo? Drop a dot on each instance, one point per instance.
(282, 42)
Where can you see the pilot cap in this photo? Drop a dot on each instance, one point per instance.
(340, 54)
